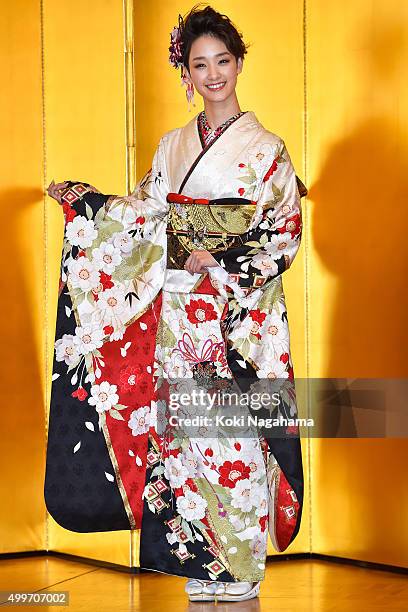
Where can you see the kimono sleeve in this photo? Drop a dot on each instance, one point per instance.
(147, 200)
(270, 245)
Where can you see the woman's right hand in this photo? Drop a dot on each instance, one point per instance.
(54, 190)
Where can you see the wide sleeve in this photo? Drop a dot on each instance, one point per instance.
(93, 218)
(270, 246)
(147, 200)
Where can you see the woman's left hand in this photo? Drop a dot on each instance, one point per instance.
(198, 261)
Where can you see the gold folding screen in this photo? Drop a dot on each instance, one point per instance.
(90, 92)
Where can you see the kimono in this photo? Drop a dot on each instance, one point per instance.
(133, 326)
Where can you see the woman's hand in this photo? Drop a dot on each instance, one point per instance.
(198, 261)
(54, 190)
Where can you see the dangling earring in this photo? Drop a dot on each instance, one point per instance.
(189, 91)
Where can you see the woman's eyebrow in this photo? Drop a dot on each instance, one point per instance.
(216, 55)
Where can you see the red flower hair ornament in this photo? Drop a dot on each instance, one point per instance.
(176, 58)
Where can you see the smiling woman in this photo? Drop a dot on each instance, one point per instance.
(178, 287)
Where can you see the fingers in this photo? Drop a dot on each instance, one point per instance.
(54, 189)
(194, 263)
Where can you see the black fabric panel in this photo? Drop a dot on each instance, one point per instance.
(77, 493)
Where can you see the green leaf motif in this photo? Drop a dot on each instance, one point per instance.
(105, 231)
(247, 179)
(116, 415)
(100, 215)
(141, 260)
(120, 407)
(89, 211)
(187, 530)
(158, 470)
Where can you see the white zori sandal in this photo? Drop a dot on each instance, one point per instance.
(201, 590)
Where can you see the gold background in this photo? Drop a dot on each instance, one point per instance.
(328, 78)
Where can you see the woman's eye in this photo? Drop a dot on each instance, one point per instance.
(223, 60)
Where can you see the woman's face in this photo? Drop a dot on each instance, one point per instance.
(212, 64)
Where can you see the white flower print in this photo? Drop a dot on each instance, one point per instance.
(193, 462)
(258, 547)
(191, 506)
(118, 333)
(261, 158)
(83, 274)
(272, 368)
(124, 242)
(255, 466)
(81, 232)
(111, 306)
(103, 396)
(139, 421)
(236, 522)
(277, 332)
(281, 244)
(107, 257)
(262, 505)
(65, 350)
(175, 472)
(87, 339)
(245, 495)
(265, 262)
(174, 366)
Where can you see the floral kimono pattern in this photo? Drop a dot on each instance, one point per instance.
(128, 326)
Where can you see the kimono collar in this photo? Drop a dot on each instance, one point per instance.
(207, 134)
(190, 149)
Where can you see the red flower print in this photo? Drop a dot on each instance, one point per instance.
(241, 191)
(293, 225)
(80, 393)
(140, 220)
(257, 315)
(284, 357)
(241, 165)
(292, 429)
(258, 318)
(231, 472)
(208, 452)
(105, 280)
(129, 377)
(191, 485)
(263, 521)
(69, 212)
(108, 329)
(199, 311)
(270, 171)
(237, 446)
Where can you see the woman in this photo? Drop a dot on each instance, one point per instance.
(178, 287)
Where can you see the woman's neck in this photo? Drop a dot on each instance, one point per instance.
(218, 113)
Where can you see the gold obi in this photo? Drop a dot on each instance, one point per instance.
(212, 225)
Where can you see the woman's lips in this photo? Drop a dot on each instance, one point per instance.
(216, 86)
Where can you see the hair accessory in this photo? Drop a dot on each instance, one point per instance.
(176, 59)
(176, 53)
(189, 91)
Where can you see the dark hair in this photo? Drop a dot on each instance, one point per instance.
(208, 21)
